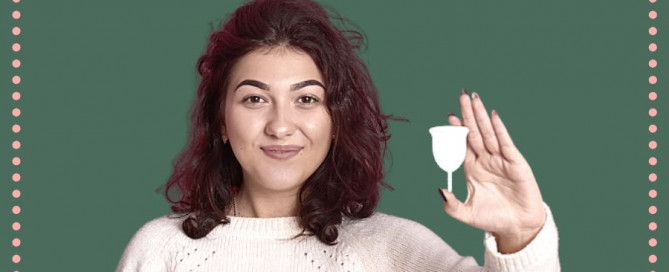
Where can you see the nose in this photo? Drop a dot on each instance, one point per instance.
(280, 122)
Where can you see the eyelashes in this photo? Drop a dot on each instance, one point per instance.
(310, 98)
(252, 99)
(256, 100)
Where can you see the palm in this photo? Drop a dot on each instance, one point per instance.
(498, 193)
(503, 196)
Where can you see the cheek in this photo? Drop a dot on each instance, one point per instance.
(242, 127)
(319, 129)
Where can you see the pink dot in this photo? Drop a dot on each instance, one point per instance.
(651, 79)
(652, 63)
(652, 14)
(16, 63)
(652, 96)
(16, 79)
(652, 31)
(652, 258)
(652, 112)
(16, 258)
(16, 47)
(652, 242)
(16, 193)
(16, 177)
(16, 1)
(16, 226)
(16, 112)
(16, 161)
(652, 1)
(652, 193)
(16, 144)
(17, 14)
(652, 128)
(652, 161)
(652, 226)
(16, 242)
(16, 31)
(16, 210)
(16, 128)
(652, 144)
(652, 209)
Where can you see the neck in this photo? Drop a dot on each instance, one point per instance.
(265, 204)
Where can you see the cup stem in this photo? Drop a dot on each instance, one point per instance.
(450, 182)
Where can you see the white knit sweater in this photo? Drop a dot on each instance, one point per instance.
(378, 243)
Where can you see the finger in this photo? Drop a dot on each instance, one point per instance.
(455, 121)
(468, 118)
(507, 148)
(455, 208)
(483, 121)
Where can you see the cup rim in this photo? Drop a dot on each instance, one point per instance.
(449, 127)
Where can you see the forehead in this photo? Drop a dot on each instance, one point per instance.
(275, 66)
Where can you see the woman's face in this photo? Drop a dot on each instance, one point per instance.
(276, 118)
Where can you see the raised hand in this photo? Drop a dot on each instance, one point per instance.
(503, 197)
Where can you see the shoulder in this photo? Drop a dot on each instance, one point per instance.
(159, 232)
(381, 225)
(390, 233)
(160, 227)
(150, 246)
(398, 244)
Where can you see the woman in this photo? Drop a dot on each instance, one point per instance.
(285, 163)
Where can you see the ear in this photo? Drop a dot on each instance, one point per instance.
(224, 135)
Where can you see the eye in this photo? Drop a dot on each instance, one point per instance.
(308, 99)
(253, 99)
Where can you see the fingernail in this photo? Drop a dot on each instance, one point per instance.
(463, 91)
(494, 112)
(451, 114)
(475, 95)
(441, 193)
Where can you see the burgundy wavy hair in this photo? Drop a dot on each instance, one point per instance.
(347, 183)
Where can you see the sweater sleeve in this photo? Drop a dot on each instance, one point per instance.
(420, 249)
(147, 248)
(541, 254)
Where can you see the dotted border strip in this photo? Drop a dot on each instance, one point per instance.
(652, 112)
(16, 128)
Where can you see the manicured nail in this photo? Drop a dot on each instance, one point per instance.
(475, 95)
(463, 91)
(441, 193)
(451, 114)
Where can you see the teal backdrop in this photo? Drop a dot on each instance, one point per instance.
(107, 87)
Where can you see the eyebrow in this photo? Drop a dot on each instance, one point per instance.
(293, 87)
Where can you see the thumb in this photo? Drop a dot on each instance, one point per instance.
(454, 207)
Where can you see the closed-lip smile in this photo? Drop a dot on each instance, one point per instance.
(281, 152)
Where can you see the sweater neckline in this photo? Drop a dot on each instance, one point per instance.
(273, 227)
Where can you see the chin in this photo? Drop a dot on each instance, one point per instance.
(282, 184)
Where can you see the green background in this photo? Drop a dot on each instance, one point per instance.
(107, 87)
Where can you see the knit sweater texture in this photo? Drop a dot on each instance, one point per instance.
(379, 243)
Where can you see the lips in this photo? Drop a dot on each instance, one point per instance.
(281, 152)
